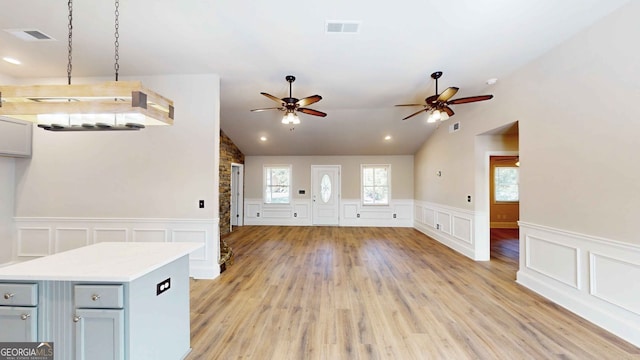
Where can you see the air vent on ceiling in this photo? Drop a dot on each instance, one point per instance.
(342, 27)
(30, 34)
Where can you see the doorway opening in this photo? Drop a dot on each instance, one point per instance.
(504, 207)
(498, 142)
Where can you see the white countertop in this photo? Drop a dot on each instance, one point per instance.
(108, 261)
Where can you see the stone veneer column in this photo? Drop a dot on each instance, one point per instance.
(229, 153)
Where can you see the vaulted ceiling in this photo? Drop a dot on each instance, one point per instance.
(253, 45)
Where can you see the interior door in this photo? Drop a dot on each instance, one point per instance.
(237, 197)
(325, 194)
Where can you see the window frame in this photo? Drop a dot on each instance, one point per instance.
(363, 167)
(270, 167)
(495, 185)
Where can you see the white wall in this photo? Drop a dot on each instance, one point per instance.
(352, 212)
(147, 180)
(576, 109)
(401, 173)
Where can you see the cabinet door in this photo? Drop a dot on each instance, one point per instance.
(18, 324)
(99, 334)
(15, 137)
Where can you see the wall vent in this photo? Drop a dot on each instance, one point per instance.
(342, 27)
(454, 127)
(30, 35)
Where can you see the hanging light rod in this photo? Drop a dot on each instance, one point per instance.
(112, 105)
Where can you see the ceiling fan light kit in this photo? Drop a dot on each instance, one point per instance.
(438, 105)
(291, 105)
(113, 105)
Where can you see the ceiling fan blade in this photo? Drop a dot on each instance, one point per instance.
(448, 111)
(410, 105)
(272, 97)
(312, 112)
(431, 100)
(309, 100)
(447, 94)
(265, 109)
(470, 99)
(416, 113)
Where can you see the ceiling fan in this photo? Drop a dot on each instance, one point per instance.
(290, 105)
(438, 104)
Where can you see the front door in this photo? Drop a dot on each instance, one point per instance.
(325, 195)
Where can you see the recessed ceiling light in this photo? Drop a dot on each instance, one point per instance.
(263, 138)
(388, 137)
(12, 60)
(492, 81)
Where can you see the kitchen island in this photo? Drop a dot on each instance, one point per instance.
(103, 301)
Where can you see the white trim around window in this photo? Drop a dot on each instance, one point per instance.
(375, 184)
(276, 184)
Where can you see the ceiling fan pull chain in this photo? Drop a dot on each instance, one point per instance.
(116, 65)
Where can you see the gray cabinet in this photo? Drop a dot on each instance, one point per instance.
(15, 137)
(18, 312)
(99, 318)
(99, 334)
(19, 323)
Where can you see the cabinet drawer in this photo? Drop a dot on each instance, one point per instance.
(18, 294)
(99, 296)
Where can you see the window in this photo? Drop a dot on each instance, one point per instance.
(277, 184)
(375, 184)
(506, 184)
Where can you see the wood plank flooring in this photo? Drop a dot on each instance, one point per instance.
(378, 293)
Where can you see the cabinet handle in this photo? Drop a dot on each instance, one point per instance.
(76, 318)
(95, 297)
(8, 296)
(25, 316)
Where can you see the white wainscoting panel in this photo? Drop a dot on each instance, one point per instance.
(555, 260)
(150, 235)
(70, 238)
(444, 221)
(608, 284)
(429, 216)
(297, 213)
(34, 241)
(596, 278)
(45, 236)
(301, 210)
(352, 213)
(252, 210)
(397, 214)
(197, 236)
(462, 228)
(451, 226)
(109, 235)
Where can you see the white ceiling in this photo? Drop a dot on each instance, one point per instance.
(253, 45)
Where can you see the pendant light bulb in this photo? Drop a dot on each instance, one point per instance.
(290, 118)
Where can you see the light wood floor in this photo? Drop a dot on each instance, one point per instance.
(378, 293)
